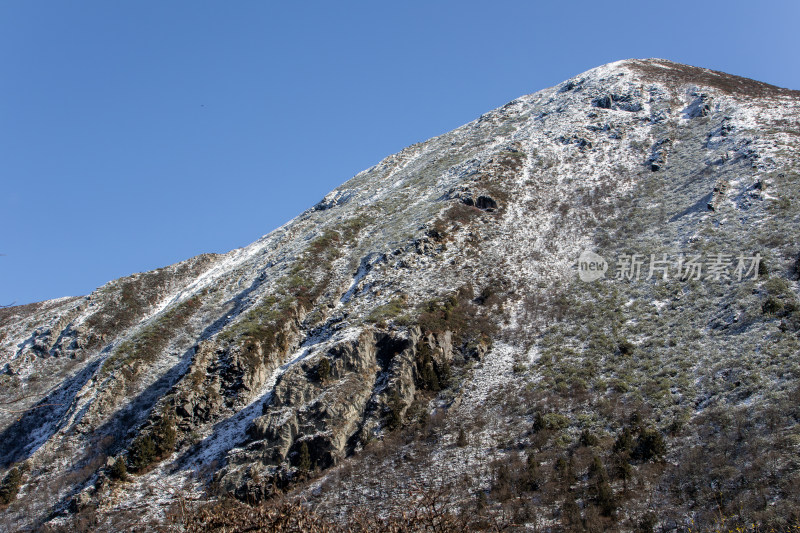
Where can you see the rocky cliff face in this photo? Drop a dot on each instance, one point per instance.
(431, 308)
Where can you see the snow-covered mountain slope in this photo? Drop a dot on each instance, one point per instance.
(425, 325)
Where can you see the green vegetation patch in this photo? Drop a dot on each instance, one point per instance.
(152, 446)
(146, 346)
(458, 314)
(388, 311)
(133, 296)
(10, 485)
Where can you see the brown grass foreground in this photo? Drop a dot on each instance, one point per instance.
(284, 516)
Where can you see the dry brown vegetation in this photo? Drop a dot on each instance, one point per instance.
(675, 73)
(281, 515)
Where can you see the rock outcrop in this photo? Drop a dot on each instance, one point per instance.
(430, 309)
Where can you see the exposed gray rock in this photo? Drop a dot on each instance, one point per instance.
(387, 275)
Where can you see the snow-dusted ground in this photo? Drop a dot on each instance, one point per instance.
(576, 153)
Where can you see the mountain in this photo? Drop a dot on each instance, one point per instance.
(579, 311)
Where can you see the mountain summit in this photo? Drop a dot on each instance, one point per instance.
(578, 311)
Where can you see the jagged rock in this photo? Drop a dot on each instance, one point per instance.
(603, 102)
(79, 502)
(623, 102)
(627, 102)
(699, 107)
(334, 199)
(580, 142)
(572, 86)
(658, 154)
(482, 226)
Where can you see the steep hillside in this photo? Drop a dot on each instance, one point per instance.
(424, 338)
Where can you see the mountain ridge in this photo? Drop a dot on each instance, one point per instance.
(425, 284)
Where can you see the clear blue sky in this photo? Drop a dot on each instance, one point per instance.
(135, 134)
